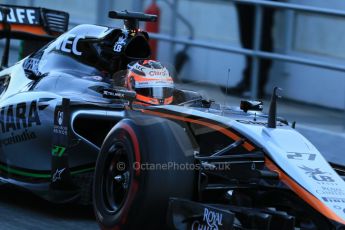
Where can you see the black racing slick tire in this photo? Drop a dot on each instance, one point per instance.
(141, 164)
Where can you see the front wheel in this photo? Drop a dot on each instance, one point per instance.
(138, 169)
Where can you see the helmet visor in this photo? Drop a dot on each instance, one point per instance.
(156, 92)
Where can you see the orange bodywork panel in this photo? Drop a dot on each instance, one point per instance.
(219, 128)
(36, 30)
(303, 193)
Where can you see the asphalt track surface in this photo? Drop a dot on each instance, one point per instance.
(21, 210)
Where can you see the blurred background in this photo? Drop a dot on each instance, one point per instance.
(243, 48)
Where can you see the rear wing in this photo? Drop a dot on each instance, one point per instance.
(27, 23)
(30, 23)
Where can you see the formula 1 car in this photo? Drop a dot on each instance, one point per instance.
(70, 134)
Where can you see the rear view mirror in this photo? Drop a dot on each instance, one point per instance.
(251, 105)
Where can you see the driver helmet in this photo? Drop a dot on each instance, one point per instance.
(151, 81)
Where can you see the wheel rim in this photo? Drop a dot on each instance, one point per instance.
(117, 178)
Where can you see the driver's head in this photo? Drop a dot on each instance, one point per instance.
(151, 81)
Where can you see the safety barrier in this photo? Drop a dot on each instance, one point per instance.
(256, 53)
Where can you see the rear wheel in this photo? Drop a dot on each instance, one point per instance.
(134, 177)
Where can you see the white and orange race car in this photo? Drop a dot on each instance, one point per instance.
(69, 134)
